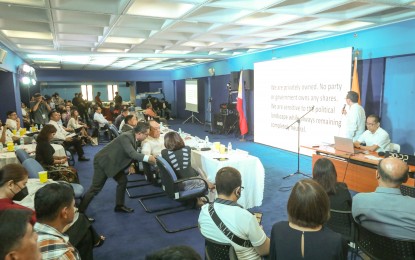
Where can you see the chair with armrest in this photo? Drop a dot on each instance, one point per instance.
(379, 247)
(100, 132)
(172, 187)
(407, 190)
(33, 167)
(396, 148)
(219, 251)
(22, 155)
(149, 178)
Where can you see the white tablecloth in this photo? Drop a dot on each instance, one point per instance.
(250, 167)
(10, 157)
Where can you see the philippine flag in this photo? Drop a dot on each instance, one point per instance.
(241, 106)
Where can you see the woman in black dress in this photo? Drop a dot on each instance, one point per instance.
(304, 235)
(55, 165)
(325, 174)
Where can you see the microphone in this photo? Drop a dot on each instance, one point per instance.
(386, 154)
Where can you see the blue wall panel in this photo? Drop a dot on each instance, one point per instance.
(398, 106)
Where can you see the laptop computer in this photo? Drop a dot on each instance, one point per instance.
(345, 145)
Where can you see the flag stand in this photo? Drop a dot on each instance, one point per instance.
(242, 139)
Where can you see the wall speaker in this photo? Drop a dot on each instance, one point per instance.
(3, 54)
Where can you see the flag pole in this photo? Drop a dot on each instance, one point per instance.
(242, 139)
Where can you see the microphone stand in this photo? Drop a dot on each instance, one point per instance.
(298, 145)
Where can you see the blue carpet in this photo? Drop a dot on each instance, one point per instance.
(132, 236)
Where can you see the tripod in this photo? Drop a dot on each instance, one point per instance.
(193, 118)
(298, 145)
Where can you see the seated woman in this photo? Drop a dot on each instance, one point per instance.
(178, 156)
(55, 165)
(13, 180)
(325, 174)
(304, 236)
(79, 127)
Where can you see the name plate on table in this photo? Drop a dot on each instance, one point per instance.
(409, 159)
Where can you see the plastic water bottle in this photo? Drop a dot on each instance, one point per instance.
(206, 141)
(180, 131)
(229, 147)
(21, 142)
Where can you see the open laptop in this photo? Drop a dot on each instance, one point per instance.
(345, 145)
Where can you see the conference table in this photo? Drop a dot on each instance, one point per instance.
(358, 171)
(7, 157)
(251, 169)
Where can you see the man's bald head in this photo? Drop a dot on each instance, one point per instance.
(154, 129)
(392, 172)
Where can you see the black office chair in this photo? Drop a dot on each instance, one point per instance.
(22, 155)
(379, 247)
(101, 133)
(219, 251)
(172, 186)
(407, 190)
(342, 222)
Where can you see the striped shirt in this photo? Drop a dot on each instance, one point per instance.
(53, 244)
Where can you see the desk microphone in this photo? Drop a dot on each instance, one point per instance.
(386, 154)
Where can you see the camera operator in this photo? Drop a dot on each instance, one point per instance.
(40, 110)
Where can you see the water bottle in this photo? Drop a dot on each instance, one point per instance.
(229, 147)
(180, 131)
(21, 142)
(40, 128)
(206, 141)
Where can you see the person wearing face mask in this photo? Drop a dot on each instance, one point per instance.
(81, 233)
(13, 179)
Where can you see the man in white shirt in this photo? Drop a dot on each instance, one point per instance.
(63, 135)
(6, 135)
(153, 144)
(99, 117)
(375, 138)
(13, 121)
(233, 218)
(355, 117)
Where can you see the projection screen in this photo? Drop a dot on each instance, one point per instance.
(285, 89)
(191, 95)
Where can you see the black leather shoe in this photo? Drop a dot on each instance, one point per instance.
(123, 209)
(83, 159)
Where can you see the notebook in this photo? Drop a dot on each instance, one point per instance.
(344, 145)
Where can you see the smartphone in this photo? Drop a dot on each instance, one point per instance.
(258, 216)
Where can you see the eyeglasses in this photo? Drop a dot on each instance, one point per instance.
(371, 124)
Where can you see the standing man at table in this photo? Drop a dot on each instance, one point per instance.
(111, 162)
(355, 117)
(375, 138)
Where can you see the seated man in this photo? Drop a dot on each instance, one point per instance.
(121, 118)
(13, 121)
(63, 135)
(153, 144)
(375, 138)
(6, 135)
(150, 114)
(164, 109)
(128, 123)
(386, 211)
(99, 117)
(18, 240)
(251, 241)
(55, 209)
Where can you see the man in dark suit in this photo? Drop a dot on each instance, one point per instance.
(111, 162)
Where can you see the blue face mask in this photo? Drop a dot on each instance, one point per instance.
(21, 194)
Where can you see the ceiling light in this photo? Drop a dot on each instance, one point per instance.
(28, 35)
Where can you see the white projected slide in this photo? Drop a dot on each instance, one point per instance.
(191, 96)
(285, 89)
